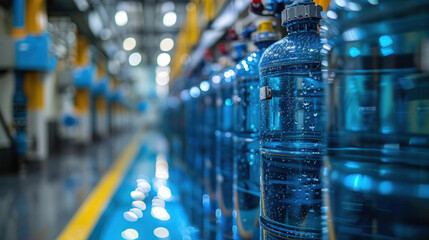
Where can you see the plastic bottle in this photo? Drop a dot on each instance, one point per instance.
(377, 168)
(246, 137)
(292, 126)
(224, 147)
(190, 110)
(209, 200)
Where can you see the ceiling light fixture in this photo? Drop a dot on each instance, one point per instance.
(129, 44)
(121, 18)
(166, 44)
(163, 59)
(169, 19)
(135, 59)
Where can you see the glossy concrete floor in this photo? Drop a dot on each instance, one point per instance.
(39, 203)
(152, 164)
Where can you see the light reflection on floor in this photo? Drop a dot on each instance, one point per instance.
(164, 216)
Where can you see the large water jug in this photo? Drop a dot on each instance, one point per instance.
(209, 139)
(292, 126)
(246, 137)
(224, 148)
(224, 174)
(377, 70)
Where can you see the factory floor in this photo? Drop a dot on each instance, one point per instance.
(83, 194)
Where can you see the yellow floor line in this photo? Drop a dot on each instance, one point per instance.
(83, 222)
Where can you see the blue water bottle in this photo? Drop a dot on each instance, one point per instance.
(377, 168)
(246, 137)
(189, 110)
(292, 126)
(209, 199)
(224, 147)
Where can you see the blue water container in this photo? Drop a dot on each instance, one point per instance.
(377, 169)
(246, 137)
(190, 110)
(195, 166)
(224, 148)
(209, 140)
(224, 154)
(292, 126)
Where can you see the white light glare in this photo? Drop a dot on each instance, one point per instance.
(161, 232)
(162, 91)
(162, 78)
(216, 79)
(135, 59)
(144, 186)
(129, 44)
(160, 213)
(164, 192)
(166, 44)
(163, 59)
(169, 19)
(130, 234)
(161, 169)
(121, 18)
(204, 86)
(195, 92)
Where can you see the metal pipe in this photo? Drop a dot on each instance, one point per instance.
(18, 21)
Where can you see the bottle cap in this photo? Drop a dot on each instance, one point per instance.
(301, 9)
(265, 32)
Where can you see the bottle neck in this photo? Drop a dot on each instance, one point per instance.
(303, 25)
(262, 45)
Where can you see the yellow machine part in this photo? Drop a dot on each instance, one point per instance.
(34, 89)
(82, 99)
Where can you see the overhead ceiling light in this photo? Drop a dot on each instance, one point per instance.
(129, 43)
(135, 59)
(95, 23)
(82, 5)
(121, 18)
(169, 19)
(163, 59)
(166, 44)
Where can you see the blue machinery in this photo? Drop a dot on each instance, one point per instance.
(365, 175)
(32, 53)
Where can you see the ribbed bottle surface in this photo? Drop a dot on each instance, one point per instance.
(377, 169)
(292, 126)
(209, 140)
(224, 153)
(246, 148)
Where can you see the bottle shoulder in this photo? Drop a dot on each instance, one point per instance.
(228, 75)
(248, 67)
(293, 49)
